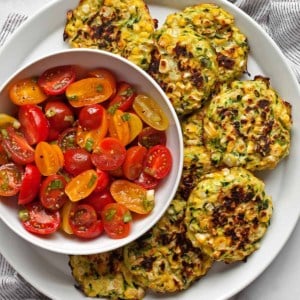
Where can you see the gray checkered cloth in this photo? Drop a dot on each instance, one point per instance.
(280, 19)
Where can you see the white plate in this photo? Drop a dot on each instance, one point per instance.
(49, 272)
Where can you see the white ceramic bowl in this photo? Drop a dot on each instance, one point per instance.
(124, 70)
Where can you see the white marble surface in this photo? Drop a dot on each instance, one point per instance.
(281, 279)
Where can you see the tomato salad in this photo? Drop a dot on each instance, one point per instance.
(84, 154)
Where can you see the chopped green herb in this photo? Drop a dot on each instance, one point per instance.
(99, 88)
(89, 144)
(93, 179)
(126, 117)
(56, 184)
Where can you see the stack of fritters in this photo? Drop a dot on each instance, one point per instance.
(230, 129)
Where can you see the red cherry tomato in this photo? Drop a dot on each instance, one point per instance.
(34, 124)
(109, 155)
(83, 221)
(52, 192)
(37, 219)
(54, 81)
(147, 181)
(158, 162)
(116, 220)
(77, 160)
(150, 137)
(123, 98)
(103, 181)
(10, 179)
(99, 200)
(17, 146)
(90, 116)
(134, 162)
(59, 115)
(30, 184)
(67, 139)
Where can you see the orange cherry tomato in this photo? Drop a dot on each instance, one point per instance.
(82, 185)
(118, 126)
(150, 112)
(105, 74)
(26, 91)
(133, 196)
(65, 215)
(48, 158)
(134, 162)
(90, 139)
(88, 91)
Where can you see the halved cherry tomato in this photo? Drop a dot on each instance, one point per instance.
(30, 184)
(134, 162)
(4, 159)
(106, 74)
(17, 146)
(103, 180)
(150, 112)
(116, 220)
(48, 158)
(34, 124)
(77, 160)
(83, 221)
(90, 139)
(52, 192)
(82, 185)
(158, 162)
(59, 115)
(135, 126)
(67, 139)
(118, 126)
(26, 91)
(37, 219)
(150, 137)
(10, 179)
(147, 181)
(99, 200)
(109, 155)
(7, 120)
(90, 116)
(88, 91)
(54, 81)
(123, 99)
(133, 196)
(65, 215)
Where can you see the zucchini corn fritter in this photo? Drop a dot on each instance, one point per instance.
(247, 124)
(227, 214)
(123, 27)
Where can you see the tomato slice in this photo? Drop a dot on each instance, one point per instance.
(65, 215)
(7, 120)
(10, 179)
(30, 184)
(34, 124)
(4, 158)
(133, 196)
(77, 160)
(150, 112)
(158, 162)
(90, 116)
(88, 91)
(150, 137)
(147, 181)
(48, 158)
(116, 220)
(37, 219)
(26, 91)
(134, 162)
(83, 221)
(106, 74)
(54, 81)
(123, 98)
(110, 154)
(103, 180)
(118, 126)
(67, 139)
(52, 193)
(82, 185)
(17, 146)
(135, 126)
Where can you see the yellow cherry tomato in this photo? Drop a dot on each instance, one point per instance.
(135, 126)
(7, 120)
(82, 185)
(118, 126)
(90, 139)
(26, 91)
(136, 198)
(65, 213)
(150, 112)
(88, 91)
(48, 158)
